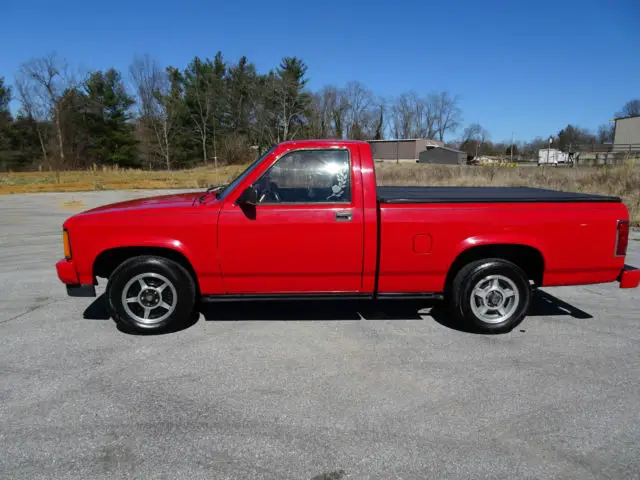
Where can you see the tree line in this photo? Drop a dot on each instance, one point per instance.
(212, 111)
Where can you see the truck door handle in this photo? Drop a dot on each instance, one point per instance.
(343, 216)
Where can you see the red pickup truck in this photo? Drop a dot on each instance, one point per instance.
(307, 221)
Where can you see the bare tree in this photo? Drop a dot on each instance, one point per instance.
(36, 109)
(447, 113)
(424, 117)
(414, 116)
(605, 133)
(339, 107)
(402, 115)
(475, 131)
(630, 109)
(473, 137)
(200, 93)
(373, 121)
(44, 81)
(147, 76)
(358, 115)
(157, 106)
(289, 111)
(169, 97)
(324, 103)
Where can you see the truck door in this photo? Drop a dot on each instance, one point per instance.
(306, 233)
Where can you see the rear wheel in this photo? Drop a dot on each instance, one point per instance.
(150, 294)
(492, 294)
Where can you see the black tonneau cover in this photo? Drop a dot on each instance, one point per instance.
(484, 195)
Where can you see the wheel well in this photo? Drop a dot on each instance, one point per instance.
(528, 258)
(107, 261)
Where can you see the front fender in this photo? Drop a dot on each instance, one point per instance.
(87, 258)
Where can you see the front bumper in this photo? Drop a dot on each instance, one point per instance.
(67, 272)
(629, 277)
(68, 275)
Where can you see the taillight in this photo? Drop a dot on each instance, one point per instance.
(622, 238)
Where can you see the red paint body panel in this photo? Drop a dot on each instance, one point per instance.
(384, 248)
(630, 278)
(290, 250)
(422, 243)
(371, 231)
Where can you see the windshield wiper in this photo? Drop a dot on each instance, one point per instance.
(216, 188)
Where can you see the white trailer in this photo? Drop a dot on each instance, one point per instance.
(553, 156)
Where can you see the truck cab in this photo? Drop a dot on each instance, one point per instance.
(307, 220)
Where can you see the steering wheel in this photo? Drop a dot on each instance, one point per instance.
(270, 190)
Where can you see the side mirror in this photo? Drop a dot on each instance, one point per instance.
(248, 197)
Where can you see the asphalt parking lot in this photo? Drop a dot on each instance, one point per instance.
(306, 391)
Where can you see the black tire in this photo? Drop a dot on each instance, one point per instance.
(179, 294)
(475, 274)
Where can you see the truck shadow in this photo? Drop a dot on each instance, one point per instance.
(543, 304)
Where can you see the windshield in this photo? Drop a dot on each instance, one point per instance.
(242, 176)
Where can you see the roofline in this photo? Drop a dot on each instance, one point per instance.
(330, 141)
(403, 140)
(336, 141)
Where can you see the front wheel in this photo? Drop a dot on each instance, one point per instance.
(492, 294)
(150, 294)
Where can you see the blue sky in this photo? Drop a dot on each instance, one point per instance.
(527, 67)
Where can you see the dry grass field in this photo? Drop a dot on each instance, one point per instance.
(113, 179)
(623, 181)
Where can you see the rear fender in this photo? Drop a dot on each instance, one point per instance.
(532, 265)
(500, 239)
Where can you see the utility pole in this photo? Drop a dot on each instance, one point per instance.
(215, 152)
(511, 147)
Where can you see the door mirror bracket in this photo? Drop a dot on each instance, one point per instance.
(248, 197)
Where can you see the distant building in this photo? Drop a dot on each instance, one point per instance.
(596, 154)
(404, 150)
(626, 136)
(437, 154)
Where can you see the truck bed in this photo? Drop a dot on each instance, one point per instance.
(484, 195)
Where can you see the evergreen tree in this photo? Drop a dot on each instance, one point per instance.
(108, 118)
(292, 100)
(5, 116)
(379, 126)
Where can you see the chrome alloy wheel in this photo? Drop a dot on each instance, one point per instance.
(494, 298)
(149, 298)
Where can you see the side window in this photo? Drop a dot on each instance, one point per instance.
(307, 176)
